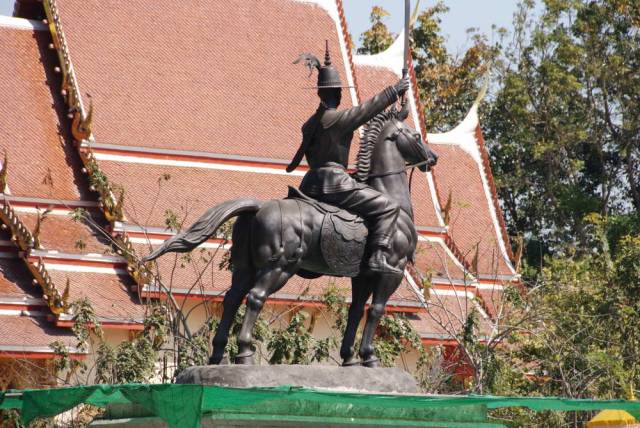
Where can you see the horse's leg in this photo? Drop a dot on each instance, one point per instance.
(269, 280)
(384, 285)
(242, 281)
(360, 292)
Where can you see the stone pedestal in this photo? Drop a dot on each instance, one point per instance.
(353, 379)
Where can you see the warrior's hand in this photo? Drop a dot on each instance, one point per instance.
(402, 86)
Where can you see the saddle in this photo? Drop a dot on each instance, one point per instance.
(343, 236)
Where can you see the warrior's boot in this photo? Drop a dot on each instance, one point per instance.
(378, 262)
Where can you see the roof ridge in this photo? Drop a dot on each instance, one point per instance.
(486, 163)
(17, 23)
(478, 153)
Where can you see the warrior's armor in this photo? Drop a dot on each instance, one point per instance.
(326, 140)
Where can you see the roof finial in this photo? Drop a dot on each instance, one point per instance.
(327, 57)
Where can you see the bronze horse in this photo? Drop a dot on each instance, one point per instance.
(274, 240)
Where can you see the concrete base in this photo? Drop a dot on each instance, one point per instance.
(353, 379)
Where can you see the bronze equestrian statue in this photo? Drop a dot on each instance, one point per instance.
(355, 225)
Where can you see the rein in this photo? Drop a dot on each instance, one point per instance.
(400, 171)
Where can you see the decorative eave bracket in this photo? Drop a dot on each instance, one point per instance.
(20, 234)
(81, 119)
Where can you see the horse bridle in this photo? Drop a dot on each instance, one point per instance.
(400, 171)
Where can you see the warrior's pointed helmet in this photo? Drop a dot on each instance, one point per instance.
(328, 76)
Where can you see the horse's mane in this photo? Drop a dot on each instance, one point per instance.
(372, 131)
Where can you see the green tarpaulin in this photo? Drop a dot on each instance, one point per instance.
(184, 405)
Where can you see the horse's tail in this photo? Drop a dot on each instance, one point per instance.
(205, 227)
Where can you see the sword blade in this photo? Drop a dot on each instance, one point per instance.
(407, 24)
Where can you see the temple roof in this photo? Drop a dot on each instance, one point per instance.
(53, 255)
(464, 175)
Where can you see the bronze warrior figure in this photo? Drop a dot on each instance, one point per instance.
(326, 140)
(323, 228)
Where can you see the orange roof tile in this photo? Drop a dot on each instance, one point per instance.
(470, 222)
(232, 92)
(61, 233)
(108, 293)
(494, 301)
(16, 281)
(42, 162)
(30, 334)
(45, 171)
(151, 190)
(432, 259)
(221, 80)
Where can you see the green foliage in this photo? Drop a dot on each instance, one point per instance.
(85, 322)
(395, 335)
(585, 342)
(106, 364)
(292, 344)
(195, 351)
(97, 178)
(563, 126)
(132, 361)
(470, 328)
(78, 214)
(156, 326)
(10, 418)
(172, 221)
(377, 38)
(337, 306)
(449, 83)
(63, 360)
(80, 245)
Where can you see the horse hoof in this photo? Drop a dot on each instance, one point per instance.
(372, 363)
(246, 360)
(350, 362)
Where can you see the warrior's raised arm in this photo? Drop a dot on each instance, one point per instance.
(354, 117)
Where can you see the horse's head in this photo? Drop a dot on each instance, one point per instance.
(410, 145)
(389, 144)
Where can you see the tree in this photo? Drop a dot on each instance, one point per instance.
(564, 127)
(584, 342)
(377, 38)
(448, 83)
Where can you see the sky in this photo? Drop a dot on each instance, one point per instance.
(462, 15)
